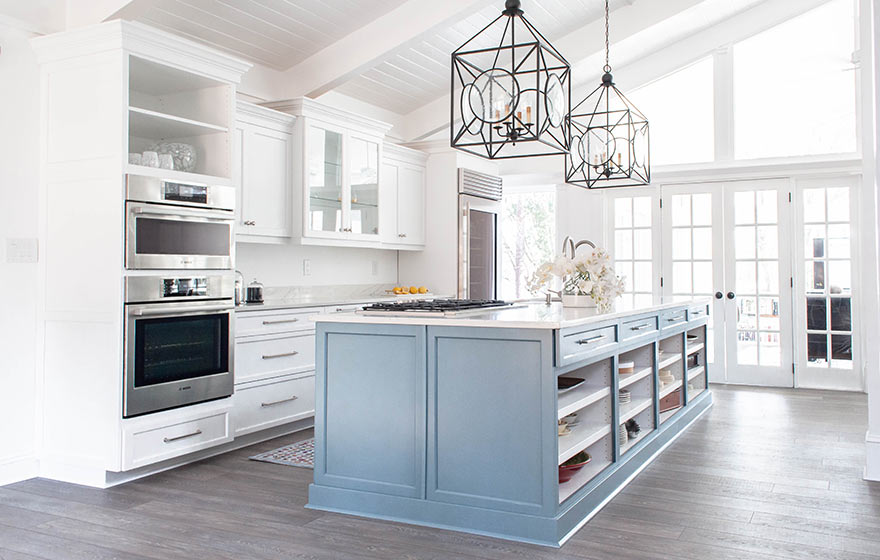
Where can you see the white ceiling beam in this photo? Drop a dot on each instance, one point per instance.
(628, 20)
(81, 13)
(374, 43)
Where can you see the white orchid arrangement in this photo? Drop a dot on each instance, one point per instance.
(589, 275)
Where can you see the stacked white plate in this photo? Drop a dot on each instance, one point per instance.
(625, 396)
(622, 435)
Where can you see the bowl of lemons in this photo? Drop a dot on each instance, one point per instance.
(410, 291)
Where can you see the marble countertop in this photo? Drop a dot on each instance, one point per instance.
(518, 316)
(274, 304)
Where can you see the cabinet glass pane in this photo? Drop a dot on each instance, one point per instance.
(364, 171)
(325, 180)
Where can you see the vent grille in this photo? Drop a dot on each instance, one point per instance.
(479, 184)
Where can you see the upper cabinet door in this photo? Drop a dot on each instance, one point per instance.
(325, 183)
(265, 183)
(363, 174)
(411, 206)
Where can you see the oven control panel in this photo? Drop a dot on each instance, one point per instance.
(181, 192)
(184, 287)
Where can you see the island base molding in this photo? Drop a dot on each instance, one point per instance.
(533, 529)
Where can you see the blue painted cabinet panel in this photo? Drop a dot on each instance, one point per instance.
(370, 410)
(491, 419)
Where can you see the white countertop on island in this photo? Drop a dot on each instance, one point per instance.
(519, 316)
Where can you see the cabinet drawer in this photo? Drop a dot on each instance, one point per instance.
(150, 444)
(578, 345)
(698, 312)
(282, 400)
(638, 327)
(259, 323)
(673, 318)
(262, 357)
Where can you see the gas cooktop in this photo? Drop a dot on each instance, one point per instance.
(438, 307)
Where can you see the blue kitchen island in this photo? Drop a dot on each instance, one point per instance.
(453, 422)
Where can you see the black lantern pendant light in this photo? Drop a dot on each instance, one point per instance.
(511, 91)
(609, 137)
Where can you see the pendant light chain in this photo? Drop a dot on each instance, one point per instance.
(607, 40)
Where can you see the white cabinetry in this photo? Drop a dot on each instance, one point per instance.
(337, 197)
(403, 197)
(106, 91)
(274, 368)
(262, 167)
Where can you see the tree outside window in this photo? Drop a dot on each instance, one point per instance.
(528, 238)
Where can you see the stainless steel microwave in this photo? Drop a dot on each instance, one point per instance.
(172, 225)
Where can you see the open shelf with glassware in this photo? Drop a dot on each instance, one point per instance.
(181, 114)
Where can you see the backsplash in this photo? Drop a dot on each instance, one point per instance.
(282, 265)
(341, 292)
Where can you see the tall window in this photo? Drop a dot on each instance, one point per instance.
(795, 86)
(680, 109)
(633, 249)
(828, 277)
(529, 238)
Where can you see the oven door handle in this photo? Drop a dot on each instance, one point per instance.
(206, 215)
(179, 310)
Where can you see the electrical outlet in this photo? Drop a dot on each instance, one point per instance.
(307, 267)
(375, 268)
(22, 251)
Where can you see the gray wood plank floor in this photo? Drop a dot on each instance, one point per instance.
(766, 473)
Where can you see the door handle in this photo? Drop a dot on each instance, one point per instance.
(718, 295)
(731, 295)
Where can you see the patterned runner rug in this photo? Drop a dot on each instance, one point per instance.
(301, 454)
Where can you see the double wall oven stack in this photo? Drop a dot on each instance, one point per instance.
(179, 294)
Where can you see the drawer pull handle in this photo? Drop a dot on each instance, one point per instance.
(178, 438)
(280, 322)
(641, 327)
(697, 313)
(284, 355)
(592, 339)
(676, 318)
(282, 401)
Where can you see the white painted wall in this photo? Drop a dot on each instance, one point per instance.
(282, 265)
(19, 181)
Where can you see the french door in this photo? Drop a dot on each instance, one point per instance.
(725, 241)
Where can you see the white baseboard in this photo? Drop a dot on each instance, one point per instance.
(16, 469)
(872, 462)
(99, 478)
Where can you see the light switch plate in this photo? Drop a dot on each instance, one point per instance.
(307, 267)
(375, 265)
(22, 250)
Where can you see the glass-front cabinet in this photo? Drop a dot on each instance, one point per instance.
(342, 180)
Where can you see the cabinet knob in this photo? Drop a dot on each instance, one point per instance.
(401, 235)
(250, 223)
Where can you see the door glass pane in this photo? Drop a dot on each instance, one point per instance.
(766, 208)
(747, 347)
(364, 172)
(325, 180)
(642, 242)
(702, 209)
(838, 241)
(770, 350)
(746, 313)
(681, 243)
(841, 314)
(841, 351)
(641, 277)
(838, 204)
(633, 248)
(816, 313)
(702, 243)
(814, 241)
(623, 244)
(745, 278)
(814, 205)
(681, 210)
(768, 313)
(745, 242)
(768, 277)
(744, 207)
(817, 349)
(642, 211)
(623, 217)
(702, 277)
(681, 278)
(839, 278)
(768, 243)
(814, 276)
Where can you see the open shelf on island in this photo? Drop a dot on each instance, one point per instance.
(581, 437)
(670, 388)
(641, 372)
(694, 348)
(631, 409)
(630, 443)
(579, 397)
(695, 372)
(668, 358)
(582, 477)
(664, 416)
(146, 123)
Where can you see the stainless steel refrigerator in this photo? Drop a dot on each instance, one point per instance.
(479, 213)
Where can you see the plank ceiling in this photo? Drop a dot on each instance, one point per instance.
(281, 33)
(275, 33)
